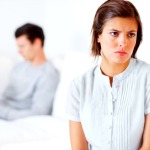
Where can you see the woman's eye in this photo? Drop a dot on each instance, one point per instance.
(113, 33)
(131, 34)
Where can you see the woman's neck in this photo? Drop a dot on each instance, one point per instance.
(111, 69)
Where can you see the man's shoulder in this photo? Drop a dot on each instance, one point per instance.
(49, 67)
(48, 71)
(19, 65)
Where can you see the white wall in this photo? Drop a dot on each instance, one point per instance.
(67, 24)
(13, 14)
(144, 10)
(58, 26)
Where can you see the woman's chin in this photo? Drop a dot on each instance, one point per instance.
(121, 60)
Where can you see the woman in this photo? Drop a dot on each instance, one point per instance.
(109, 106)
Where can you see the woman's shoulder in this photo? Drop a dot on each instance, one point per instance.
(85, 77)
(142, 68)
(142, 65)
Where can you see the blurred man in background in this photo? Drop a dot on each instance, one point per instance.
(33, 82)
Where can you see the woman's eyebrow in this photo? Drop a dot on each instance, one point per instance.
(115, 30)
(132, 31)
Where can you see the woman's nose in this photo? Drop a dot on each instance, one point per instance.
(123, 41)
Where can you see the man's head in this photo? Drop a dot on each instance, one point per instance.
(30, 39)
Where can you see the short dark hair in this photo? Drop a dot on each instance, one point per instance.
(32, 32)
(109, 10)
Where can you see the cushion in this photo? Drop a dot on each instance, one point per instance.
(75, 64)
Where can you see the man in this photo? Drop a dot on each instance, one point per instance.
(33, 83)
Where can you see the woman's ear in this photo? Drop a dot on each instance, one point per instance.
(99, 38)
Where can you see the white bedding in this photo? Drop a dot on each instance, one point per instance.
(36, 132)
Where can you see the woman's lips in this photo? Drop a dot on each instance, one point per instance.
(121, 53)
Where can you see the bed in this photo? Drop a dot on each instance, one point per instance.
(43, 132)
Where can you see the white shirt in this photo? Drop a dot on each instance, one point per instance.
(112, 117)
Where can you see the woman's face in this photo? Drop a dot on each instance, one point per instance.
(118, 39)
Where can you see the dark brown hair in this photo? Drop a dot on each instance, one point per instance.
(32, 32)
(109, 10)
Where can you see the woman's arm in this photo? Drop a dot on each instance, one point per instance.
(77, 137)
(146, 134)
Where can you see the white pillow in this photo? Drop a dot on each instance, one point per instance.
(57, 61)
(75, 64)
